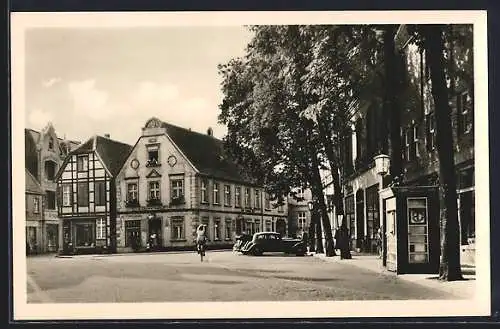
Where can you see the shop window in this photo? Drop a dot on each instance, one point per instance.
(83, 194)
(100, 193)
(51, 199)
(132, 232)
(178, 228)
(82, 163)
(85, 235)
(372, 211)
(100, 229)
(349, 215)
(204, 190)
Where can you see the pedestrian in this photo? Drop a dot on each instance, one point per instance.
(379, 242)
(343, 242)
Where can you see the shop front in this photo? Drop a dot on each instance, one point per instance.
(84, 235)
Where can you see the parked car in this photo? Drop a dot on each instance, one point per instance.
(241, 240)
(273, 242)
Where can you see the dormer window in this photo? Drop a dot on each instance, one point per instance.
(153, 156)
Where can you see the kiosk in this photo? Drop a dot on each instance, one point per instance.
(410, 219)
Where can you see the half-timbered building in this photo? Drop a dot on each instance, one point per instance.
(87, 195)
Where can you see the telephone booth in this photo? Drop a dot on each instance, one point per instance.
(410, 219)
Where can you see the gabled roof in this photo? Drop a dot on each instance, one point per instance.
(32, 185)
(112, 153)
(205, 152)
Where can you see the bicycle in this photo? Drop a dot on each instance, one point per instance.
(201, 250)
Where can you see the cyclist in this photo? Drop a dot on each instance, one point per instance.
(201, 238)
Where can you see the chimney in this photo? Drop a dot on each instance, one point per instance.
(107, 135)
(210, 131)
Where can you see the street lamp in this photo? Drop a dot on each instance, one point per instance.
(382, 164)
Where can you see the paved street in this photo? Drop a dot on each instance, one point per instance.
(223, 276)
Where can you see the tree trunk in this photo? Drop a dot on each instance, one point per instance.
(449, 268)
(390, 99)
(319, 232)
(321, 204)
(312, 234)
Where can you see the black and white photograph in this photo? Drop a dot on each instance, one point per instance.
(250, 165)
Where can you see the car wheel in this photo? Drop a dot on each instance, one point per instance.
(257, 252)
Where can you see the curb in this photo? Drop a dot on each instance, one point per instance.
(136, 253)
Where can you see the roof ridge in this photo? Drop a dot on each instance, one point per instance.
(192, 131)
(113, 140)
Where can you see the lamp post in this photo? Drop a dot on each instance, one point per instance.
(382, 162)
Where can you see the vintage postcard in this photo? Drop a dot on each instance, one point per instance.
(226, 165)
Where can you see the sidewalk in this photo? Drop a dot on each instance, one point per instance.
(135, 253)
(462, 289)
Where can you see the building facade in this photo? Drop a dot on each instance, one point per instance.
(87, 196)
(419, 155)
(44, 154)
(175, 179)
(299, 214)
(34, 214)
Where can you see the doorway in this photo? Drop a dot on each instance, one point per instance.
(360, 219)
(154, 235)
(281, 227)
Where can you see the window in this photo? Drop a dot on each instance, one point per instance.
(82, 163)
(411, 142)
(301, 220)
(204, 194)
(177, 188)
(269, 225)
(280, 208)
(154, 190)
(36, 205)
(216, 193)
(51, 199)
(153, 156)
(247, 198)
(85, 234)
(267, 204)
(206, 221)
(178, 228)
(51, 143)
(465, 113)
(257, 199)
(100, 229)
(300, 193)
(431, 131)
(372, 211)
(257, 226)
(50, 170)
(227, 195)
(217, 229)
(100, 193)
(237, 196)
(132, 192)
(67, 195)
(349, 215)
(83, 194)
(229, 228)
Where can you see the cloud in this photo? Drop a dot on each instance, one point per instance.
(151, 92)
(39, 118)
(88, 100)
(50, 82)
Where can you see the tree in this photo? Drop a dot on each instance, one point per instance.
(433, 43)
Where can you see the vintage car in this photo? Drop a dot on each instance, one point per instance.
(241, 240)
(273, 242)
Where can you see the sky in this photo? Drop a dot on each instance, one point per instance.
(90, 81)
